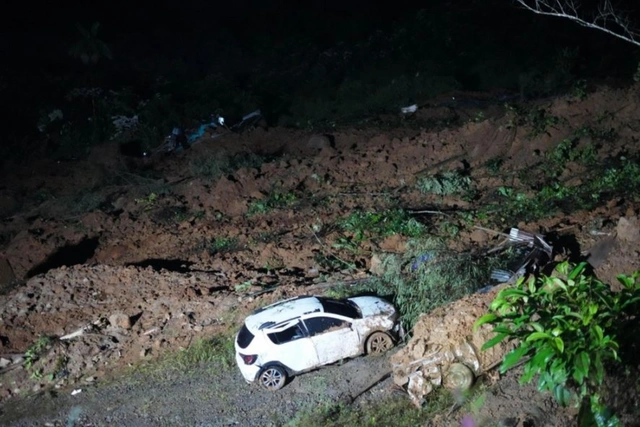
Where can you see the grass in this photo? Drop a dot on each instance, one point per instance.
(217, 352)
(390, 411)
(617, 179)
(429, 275)
(363, 225)
(275, 200)
(445, 184)
(222, 244)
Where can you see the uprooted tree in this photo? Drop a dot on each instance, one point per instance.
(605, 18)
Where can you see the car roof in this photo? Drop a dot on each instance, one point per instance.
(282, 311)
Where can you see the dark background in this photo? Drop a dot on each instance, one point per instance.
(303, 63)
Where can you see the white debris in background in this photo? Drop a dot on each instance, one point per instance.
(410, 109)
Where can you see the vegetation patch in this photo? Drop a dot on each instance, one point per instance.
(275, 200)
(363, 225)
(568, 329)
(619, 178)
(222, 244)
(429, 275)
(445, 183)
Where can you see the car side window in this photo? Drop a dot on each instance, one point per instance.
(292, 333)
(320, 325)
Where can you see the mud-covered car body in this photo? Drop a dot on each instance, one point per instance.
(303, 333)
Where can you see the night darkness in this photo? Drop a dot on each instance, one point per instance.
(308, 62)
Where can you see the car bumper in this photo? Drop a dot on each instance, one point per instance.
(249, 372)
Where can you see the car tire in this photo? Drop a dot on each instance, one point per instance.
(273, 377)
(378, 343)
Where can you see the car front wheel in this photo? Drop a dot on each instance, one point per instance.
(378, 343)
(273, 378)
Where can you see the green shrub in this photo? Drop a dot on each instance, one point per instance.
(444, 184)
(275, 200)
(369, 224)
(428, 275)
(567, 330)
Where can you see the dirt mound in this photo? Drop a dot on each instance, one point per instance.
(96, 318)
(443, 338)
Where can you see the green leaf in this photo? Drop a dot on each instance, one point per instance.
(513, 357)
(583, 362)
(537, 326)
(512, 292)
(559, 344)
(487, 318)
(538, 336)
(543, 356)
(577, 270)
(556, 282)
(599, 334)
(493, 341)
(561, 394)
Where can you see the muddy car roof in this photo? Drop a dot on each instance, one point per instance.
(282, 311)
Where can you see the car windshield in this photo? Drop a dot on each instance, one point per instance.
(244, 337)
(341, 308)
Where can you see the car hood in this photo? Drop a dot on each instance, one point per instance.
(373, 306)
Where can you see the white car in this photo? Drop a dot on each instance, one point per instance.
(303, 333)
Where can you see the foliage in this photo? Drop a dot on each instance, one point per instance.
(603, 182)
(494, 165)
(444, 184)
(538, 120)
(566, 328)
(368, 224)
(222, 244)
(148, 201)
(275, 200)
(35, 351)
(217, 353)
(428, 275)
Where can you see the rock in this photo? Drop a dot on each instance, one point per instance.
(120, 320)
(479, 236)
(628, 229)
(4, 362)
(395, 243)
(375, 265)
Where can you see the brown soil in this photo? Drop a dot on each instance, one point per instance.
(123, 247)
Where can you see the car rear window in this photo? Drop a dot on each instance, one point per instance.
(244, 337)
(341, 308)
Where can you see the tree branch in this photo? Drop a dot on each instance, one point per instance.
(606, 19)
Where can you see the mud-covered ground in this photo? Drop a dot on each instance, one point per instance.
(138, 257)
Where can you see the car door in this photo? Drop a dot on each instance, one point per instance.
(292, 348)
(333, 338)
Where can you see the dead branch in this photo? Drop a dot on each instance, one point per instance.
(607, 18)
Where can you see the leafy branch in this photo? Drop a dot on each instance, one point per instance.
(566, 327)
